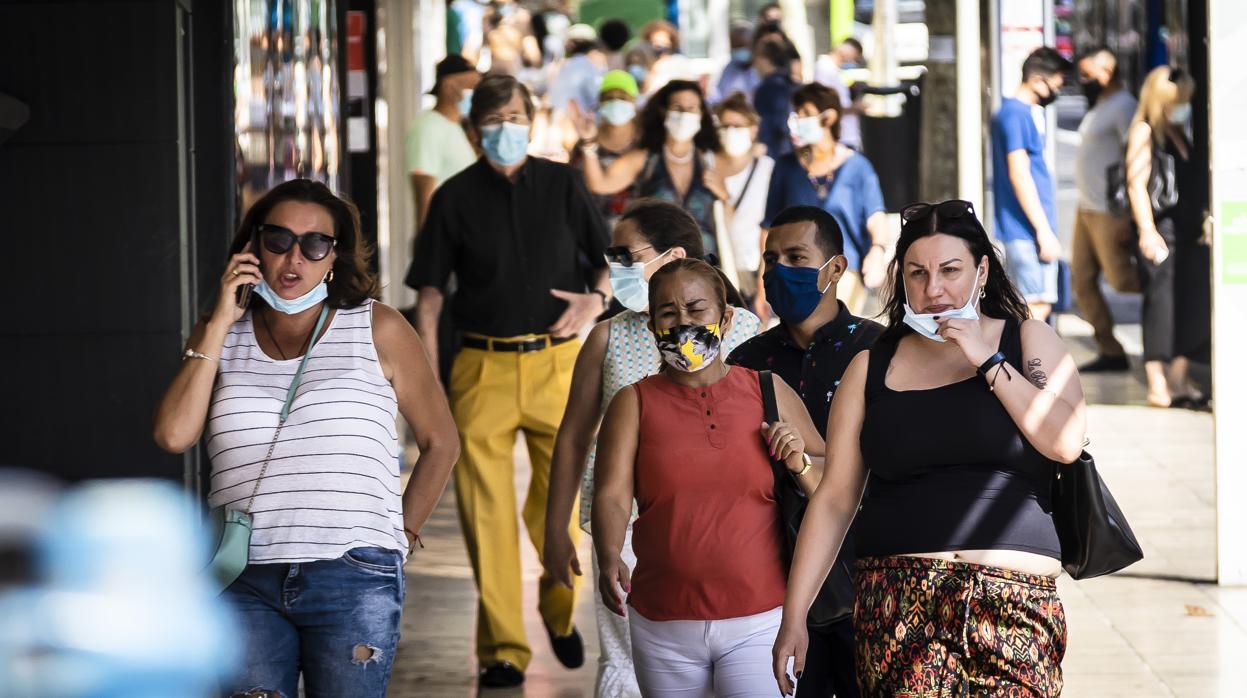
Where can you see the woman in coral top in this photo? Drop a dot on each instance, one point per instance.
(691, 446)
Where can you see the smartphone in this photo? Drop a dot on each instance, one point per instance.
(243, 294)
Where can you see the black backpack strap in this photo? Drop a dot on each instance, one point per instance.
(770, 409)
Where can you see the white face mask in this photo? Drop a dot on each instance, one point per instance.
(682, 125)
(806, 130)
(925, 323)
(1180, 113)
(736, 140)
(617, 112)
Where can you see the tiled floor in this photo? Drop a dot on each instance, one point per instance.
(1153, 631)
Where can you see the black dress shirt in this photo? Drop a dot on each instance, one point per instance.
(508, 243)
(813, 371)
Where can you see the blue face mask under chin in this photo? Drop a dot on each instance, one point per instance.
(294, 306)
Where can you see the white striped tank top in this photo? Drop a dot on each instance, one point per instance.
(332, 483)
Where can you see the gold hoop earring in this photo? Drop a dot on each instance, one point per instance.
(329, 278)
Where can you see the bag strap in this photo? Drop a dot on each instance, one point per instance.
(770, 409)
(285, 408)
(745, 189)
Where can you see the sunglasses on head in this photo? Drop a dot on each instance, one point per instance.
(946, 210)
(623, 255)
(279, 240)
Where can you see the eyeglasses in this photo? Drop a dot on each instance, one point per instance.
(495, 119)
(279, 240)
(953, 208)
(623, 255)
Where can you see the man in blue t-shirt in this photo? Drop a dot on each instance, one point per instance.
(1021, 185)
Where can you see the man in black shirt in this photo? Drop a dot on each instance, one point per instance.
(521, 236)
(810, 349)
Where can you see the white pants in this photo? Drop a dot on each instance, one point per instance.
(691, 658)
(616, 677)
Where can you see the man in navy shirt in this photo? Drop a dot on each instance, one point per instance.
(1022, 190)
(810, 350)
(773, 97)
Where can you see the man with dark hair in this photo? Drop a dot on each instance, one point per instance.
(615, 35)
(1024, 198)
(773, 97)
(811, 347)
(770, 13)
(1103, 239)
(827, 71)
(514, 231)
(437, 146)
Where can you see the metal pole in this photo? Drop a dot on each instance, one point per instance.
(969, 105)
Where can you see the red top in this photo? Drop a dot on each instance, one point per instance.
(707, 540)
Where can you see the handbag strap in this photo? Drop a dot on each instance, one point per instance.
(770, 409)
(753, 166)
(285, 408)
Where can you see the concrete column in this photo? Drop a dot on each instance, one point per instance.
(1226, 92)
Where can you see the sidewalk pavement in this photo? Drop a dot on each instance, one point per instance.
(1161, 628)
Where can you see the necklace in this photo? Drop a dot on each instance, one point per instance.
(678, 159)
(271, 336)
(822, 183)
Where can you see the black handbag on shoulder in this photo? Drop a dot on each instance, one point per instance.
(834, 601)
(1095, 538)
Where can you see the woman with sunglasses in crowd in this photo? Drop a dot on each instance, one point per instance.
(956, 416)
(618, 352)
(295, 387)
(674, 160)
(691, 446)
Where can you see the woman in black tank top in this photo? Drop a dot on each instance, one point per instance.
(954, 418)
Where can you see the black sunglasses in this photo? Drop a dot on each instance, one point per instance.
(953, 208)
(279, 240)
(623, 255)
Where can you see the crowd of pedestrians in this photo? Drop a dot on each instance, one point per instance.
(720, 250)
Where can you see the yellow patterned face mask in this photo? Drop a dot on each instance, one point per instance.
(690, 348)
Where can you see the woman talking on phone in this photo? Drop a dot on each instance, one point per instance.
(295, 393)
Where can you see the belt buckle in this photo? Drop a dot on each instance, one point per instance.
(530, 345)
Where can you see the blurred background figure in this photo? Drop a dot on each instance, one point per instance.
(772, 99)
(617, 135)
(116, 603)
(828, 70)
(746, 171)
(1103, 239)
(581, 73)
(770, 13)
(615, 35)
(669, 64)
(509, 38)
(1168, 193)
(437, 144)
(739, 74)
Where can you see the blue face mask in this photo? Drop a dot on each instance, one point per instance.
(741, 55)
(506, 143)
(629, 284)
(637, 71)
(295, 306)
(793, 292)
(465, 102)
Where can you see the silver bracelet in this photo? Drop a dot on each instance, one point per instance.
(192, 354)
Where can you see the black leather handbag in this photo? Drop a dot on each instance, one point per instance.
(834, 601)
(1095, 538)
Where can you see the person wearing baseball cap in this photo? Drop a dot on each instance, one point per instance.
(437, 145)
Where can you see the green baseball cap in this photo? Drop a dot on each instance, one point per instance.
(619, 80)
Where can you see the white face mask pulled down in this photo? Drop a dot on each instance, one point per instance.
(925, 323)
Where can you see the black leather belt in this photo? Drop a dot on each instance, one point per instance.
(521, 346)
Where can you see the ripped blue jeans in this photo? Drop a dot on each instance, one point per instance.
(336, 621)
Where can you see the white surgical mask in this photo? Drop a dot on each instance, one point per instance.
(925, 324)
(807, 130)
(629, 286)
(1180, 113)
(736, 140)
(682, 125)
(297, 305)
(617, 112)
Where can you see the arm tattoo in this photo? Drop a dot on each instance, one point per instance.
(1034, 369)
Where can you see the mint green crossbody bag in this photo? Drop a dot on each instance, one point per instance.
(232, 527)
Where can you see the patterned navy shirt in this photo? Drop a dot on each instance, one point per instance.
(813, 371)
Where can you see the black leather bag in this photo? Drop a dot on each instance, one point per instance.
(1095, 538)
(1162, 187)
(834, 601)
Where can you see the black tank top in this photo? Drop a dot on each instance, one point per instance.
(949, 469)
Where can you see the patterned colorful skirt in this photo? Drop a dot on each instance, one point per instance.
(937, 629)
